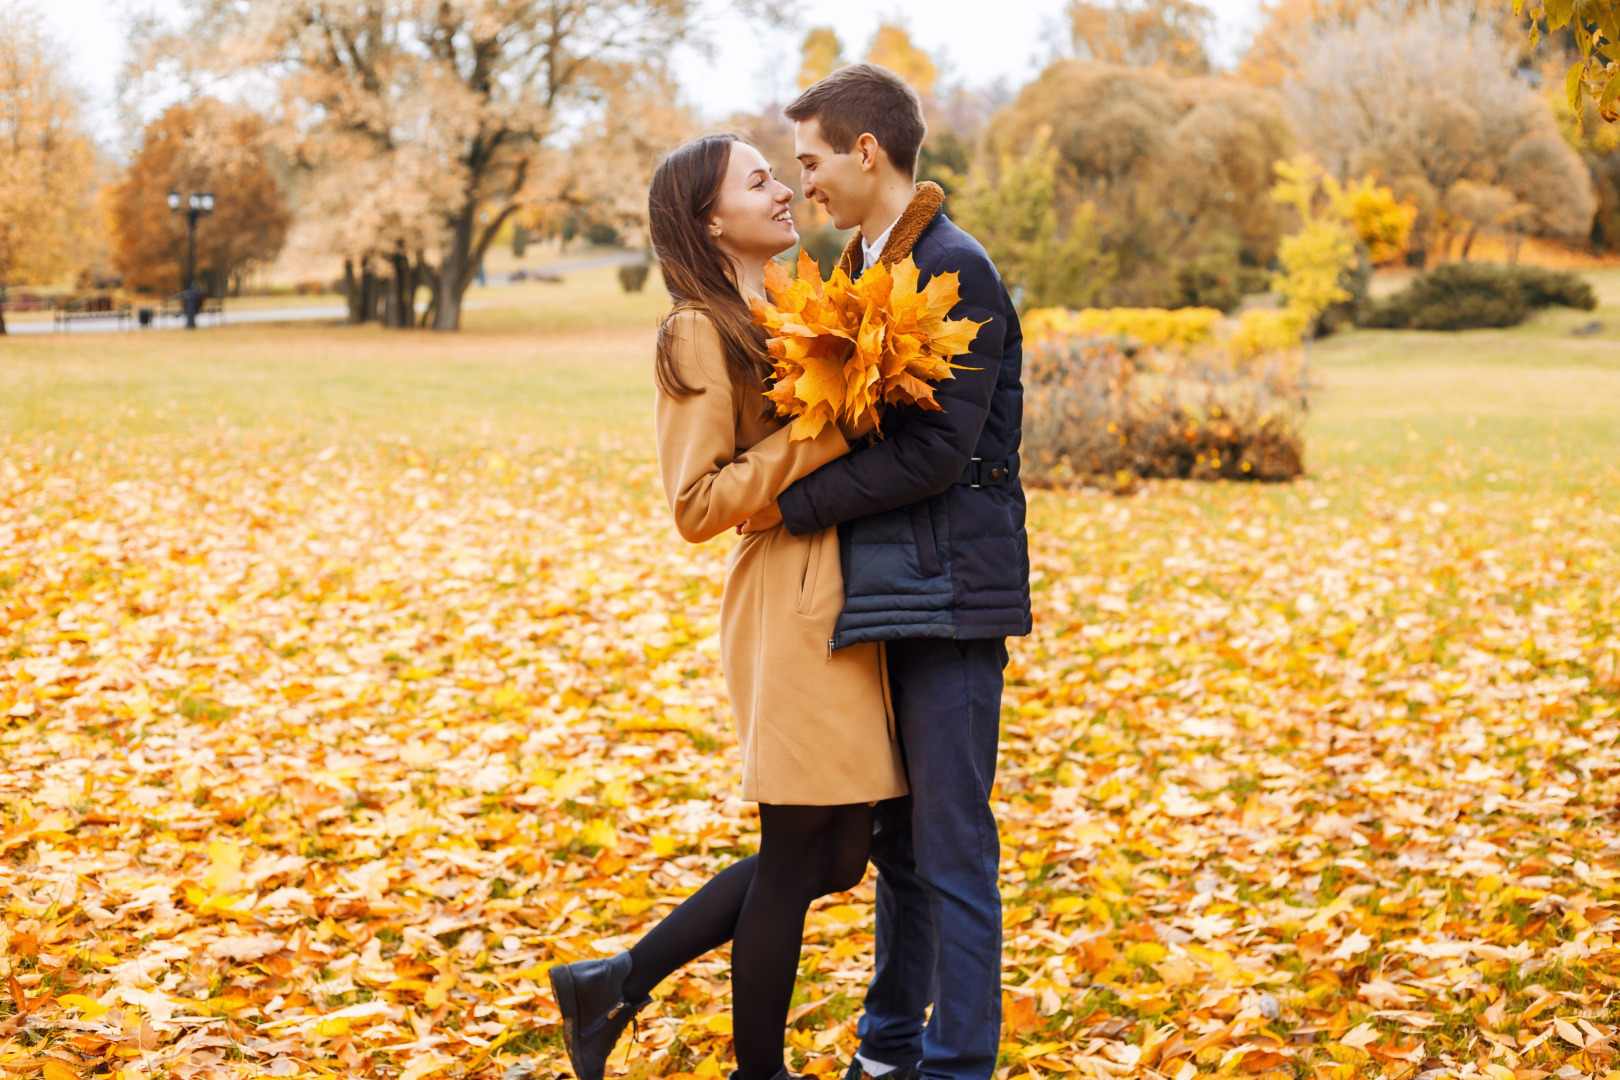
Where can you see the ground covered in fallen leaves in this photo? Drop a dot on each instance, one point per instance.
(315, 758)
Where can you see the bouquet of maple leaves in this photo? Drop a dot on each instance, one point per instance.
(845, 347)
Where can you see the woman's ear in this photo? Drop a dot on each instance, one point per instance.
(714, 228)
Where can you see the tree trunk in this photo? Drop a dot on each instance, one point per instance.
(1468, 241)
(461, 262)
(351, 292)
(455, 270)
(426, 276)
(397, 313)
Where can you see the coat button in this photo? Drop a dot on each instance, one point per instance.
(997, 475)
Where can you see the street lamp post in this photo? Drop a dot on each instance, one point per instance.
(200, 203)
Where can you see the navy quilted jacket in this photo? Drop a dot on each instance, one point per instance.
(926, 553)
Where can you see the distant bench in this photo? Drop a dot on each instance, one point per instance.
(97, 308)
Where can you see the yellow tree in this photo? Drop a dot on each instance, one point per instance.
(892, 48)
(1316, 258)
(47, 163)
(1595, 25)
(820, 55)
(1337, 222)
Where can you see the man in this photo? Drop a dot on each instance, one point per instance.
(936, 564)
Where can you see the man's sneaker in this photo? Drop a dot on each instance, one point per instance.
(590, 996)
(903, 1072)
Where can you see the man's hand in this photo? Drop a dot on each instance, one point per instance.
(768, 518)
(865, 426)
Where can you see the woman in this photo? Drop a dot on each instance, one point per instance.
(817, 745)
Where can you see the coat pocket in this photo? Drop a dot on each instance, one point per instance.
(811, 573)
(922, 527)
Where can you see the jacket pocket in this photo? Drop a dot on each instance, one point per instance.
(811, 572)
(922, 527)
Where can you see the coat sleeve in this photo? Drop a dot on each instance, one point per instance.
(924, 451)
(711, 485)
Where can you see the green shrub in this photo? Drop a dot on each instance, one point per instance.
(1470, 295)
(1544, 288)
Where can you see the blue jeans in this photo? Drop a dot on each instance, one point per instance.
(938, 855)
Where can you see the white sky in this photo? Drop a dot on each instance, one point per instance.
(974, 41)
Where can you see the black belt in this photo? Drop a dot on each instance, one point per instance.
(981, 473)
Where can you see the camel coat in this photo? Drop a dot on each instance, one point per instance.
(813, 724)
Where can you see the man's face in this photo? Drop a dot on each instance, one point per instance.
(841, 183)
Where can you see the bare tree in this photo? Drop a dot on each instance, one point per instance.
(1429, 99)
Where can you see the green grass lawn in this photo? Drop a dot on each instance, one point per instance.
(548, 361)
(1534, 406)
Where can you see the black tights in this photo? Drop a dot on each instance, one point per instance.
(759, 903)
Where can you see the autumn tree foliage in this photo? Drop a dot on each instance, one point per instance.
(1288, 27)
(604, 176)
(47, 164)
(421, 126)
(1429, 101)
(1048, 253)
(1179, 170)
(1167, 34)
(1594, 27)
(820, 55)
(893, 48)
(206, 145)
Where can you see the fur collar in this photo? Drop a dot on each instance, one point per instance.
(907, 231)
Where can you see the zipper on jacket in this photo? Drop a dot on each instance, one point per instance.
(829, 648)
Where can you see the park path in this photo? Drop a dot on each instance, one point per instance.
(305, 313)
(308, 313)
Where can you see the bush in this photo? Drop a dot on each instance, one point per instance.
(1210, 281)
(1470, 295)
(1545, 288)
(1143, 326)
(633, 277)
(1095, 409)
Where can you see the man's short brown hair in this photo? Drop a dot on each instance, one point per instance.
(864, 99)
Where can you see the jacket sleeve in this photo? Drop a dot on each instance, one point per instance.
(924, 451)
(711, 485)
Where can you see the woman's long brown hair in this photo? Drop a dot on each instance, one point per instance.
(696, 272)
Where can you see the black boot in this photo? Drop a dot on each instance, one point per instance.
(590, 996)
(904, 1072)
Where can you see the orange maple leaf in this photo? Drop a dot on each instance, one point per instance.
(842, 347)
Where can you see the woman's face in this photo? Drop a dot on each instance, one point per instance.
(751, 221)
